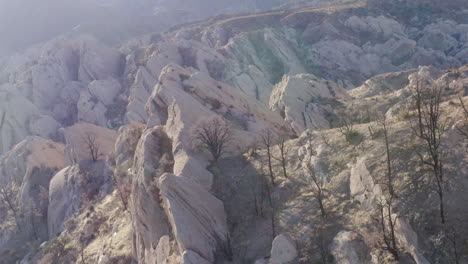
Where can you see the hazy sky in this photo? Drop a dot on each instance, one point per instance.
(23, 22)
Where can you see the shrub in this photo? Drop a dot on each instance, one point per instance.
(354, 137)
(404, 115)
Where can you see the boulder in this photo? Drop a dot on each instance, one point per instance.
(362, 186)
(283, 250)
(349, 248)
(408, 239)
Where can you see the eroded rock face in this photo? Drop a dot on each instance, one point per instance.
(139, 94)
(185, 97)
(31, 164)
(98, 62)
(283, 250)
(46, 88)
(261, 60)
(20, 118)
(382, 84)
(369, 194)
(70, 188)
(349, 248)
(304, 101)
(105, 91)
(153, 157)
(197, 218)
(126, 143)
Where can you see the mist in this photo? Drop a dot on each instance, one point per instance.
(27, 22)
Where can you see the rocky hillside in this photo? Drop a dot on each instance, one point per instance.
(289, 136)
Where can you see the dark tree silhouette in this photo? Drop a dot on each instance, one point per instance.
(267, 139)
(387, 222)
(93, 147)
(283, 154)
(430, 128)
(389, 182)
(214, 135)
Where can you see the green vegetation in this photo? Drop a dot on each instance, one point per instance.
(354, 137)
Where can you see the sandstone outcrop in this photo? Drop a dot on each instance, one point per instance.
(70, 188)
(304, 101)
(31, 164)
(153, 157)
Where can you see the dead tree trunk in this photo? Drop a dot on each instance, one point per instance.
(430, 129)
(283, 158)
(318, 186)
(389, 158)
(387, 228)
(267, 139)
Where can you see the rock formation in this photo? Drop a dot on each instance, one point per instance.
(99, 137)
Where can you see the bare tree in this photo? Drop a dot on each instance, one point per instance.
(268, 192)
(387, 222)
(346, 126)
(267, 139)
(453, 238)
(389, 183)
(430, 128)
(124, 188)
(325, 139)
(9, 199)
(318, 183)
(93, 147)
(463, 129)
(258, 192)
(214, 135)
(417, 95)
(283, 157)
